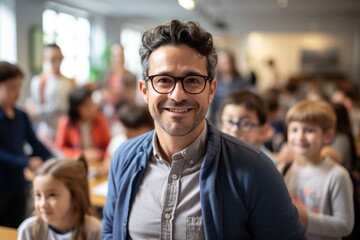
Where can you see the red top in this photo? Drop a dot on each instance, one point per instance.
(68, 138)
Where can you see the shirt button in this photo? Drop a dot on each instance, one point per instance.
(174, 176)
(167, 215)
(191, 162)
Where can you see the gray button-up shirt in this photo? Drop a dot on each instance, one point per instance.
(167, 203)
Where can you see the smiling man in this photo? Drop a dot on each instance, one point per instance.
(185, 179)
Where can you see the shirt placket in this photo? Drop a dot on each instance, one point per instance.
(171, 198)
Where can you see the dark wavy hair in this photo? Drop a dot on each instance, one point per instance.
(9, 71)
(177, 33)
(77, 97)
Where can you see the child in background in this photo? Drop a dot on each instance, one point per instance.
(62, 204)
(15, 132)
(135, 120)
(84, 130)
(244, 115)
(320, 187)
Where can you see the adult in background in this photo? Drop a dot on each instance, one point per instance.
(49, 91)
(117, 86)
(228, 80)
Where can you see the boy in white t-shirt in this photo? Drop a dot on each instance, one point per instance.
(321, 188)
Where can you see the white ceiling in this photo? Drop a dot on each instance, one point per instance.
(235, 15)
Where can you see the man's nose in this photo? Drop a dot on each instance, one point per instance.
(178, 94)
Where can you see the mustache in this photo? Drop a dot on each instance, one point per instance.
(183, 103)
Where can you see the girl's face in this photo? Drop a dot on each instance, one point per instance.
(52, 201)
(87, 110)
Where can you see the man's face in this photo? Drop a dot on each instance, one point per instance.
(52, 60)
(177, 113)
(117, 55)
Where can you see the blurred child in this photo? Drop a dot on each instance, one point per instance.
(135, 120)
(321, 189)
(344, 142)
(62, 203)
(84, 130)
(15, 132)
(349, 95)
(244, 115)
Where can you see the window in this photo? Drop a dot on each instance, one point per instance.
(72, 34)
(131, 40)
(7, 31)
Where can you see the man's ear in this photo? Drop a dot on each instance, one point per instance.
(212, 90)
(329, 135)
(144, 90)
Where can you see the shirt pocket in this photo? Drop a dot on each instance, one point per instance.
(194, 228)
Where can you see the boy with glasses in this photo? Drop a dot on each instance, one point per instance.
(243, 115)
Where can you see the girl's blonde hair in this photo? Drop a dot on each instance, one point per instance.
(316, 112)
(73, 173)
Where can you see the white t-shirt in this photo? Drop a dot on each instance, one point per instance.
(93, 229)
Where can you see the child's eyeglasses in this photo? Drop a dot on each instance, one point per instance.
(243, 124)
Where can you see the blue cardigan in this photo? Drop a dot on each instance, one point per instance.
(242, 194)
(14, 134)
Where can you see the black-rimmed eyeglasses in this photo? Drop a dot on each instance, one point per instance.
(192, 84)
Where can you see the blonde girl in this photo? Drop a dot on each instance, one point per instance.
(62, 204)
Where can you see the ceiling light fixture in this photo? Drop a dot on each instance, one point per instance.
(187, 4)
(282, 3)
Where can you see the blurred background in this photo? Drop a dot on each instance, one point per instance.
(307, 39)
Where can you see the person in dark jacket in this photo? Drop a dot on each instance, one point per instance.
(15, 132)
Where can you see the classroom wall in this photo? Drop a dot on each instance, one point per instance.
(253, 48)
(28, 15)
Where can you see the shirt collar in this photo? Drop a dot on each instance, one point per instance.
(192, 154)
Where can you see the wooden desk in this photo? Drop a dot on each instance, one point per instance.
(8, 233)
(97, 200)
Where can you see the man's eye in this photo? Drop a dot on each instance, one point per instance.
(192, 80)
(165, 80)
